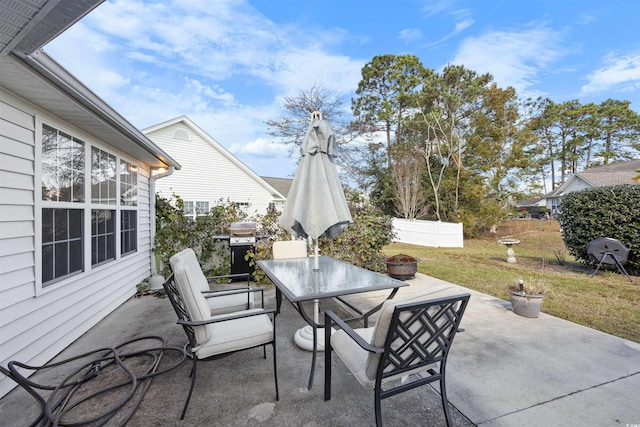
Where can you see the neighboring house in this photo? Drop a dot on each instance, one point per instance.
(600, 176)
(76, 184)
(283, 185)
(210, 173)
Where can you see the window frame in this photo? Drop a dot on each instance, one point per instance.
(87, 206)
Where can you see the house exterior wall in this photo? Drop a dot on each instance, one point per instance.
(37, 322)
(207, 174)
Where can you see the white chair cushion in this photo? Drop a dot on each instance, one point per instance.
(195, 302)
(283, 249)
(197, 279)
(353, 356)
(223, 304)
(236, 334)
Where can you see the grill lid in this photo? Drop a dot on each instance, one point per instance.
(242, 229)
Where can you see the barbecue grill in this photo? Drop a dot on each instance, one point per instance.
(242, 237)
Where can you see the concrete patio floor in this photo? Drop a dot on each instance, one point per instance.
(504, 370)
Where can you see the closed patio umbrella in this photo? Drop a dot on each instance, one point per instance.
(316, 205)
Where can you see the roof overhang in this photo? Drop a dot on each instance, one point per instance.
(32, 75)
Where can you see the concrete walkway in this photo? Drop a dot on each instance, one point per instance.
(504, 370)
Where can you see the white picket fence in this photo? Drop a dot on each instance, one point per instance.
(428, 233)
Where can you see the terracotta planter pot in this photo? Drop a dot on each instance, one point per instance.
(402, 267)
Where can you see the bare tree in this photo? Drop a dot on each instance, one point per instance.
(408, 167)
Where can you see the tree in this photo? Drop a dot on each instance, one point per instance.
(292, 126)
(619, 127)
(385, 95)
(448, 103)
(498, 147)
(407, 169)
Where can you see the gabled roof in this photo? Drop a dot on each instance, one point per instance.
(28, 72)
(217, 146)
(601, 176)
(283, 185)
(614, 174)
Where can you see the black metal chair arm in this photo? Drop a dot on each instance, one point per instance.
(246, 276)
(222, 292)
(330, 317)
(218, 319)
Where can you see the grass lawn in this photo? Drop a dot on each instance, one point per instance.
(607, 302)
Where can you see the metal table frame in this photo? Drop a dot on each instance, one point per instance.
(297, 280)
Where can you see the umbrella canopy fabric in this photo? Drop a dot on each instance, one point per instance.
(316, 205)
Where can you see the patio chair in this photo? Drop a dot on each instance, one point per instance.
(283, 249)
(212, 337)
(407, 348)
(606, 250)
(220, 301)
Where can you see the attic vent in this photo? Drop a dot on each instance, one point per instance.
(181, 134)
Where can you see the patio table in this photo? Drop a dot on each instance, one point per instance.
(300, 283)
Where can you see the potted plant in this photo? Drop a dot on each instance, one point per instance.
(402, 267)
(526, 298)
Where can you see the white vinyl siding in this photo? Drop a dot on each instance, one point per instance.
(37, 323)
(207, 173)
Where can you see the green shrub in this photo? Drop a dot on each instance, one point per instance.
(602, 212)
(361, 244)
(175, 231)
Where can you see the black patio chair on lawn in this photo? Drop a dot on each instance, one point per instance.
(606, 250)
(407, 348)
(212, 337)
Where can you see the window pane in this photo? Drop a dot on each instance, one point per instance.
(128, 183)
(103, 176)
(61, 259)
(75, 223)
(128, 232)
(103, 238)
(47, 263)
(63, 166)
(60, 223)
(63, 253)
(47, 225)
(75, 255)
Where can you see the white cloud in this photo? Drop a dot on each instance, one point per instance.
(410, 35)
(514, 58)
(621, 72)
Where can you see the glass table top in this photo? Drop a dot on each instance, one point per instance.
(296, 278)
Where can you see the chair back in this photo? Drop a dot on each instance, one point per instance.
(283, 249)
(604, 247)
(197, 278)
(186, 276)
(415, 332)
(179, 306)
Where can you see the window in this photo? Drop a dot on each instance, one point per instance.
(103, 177)
(188, 209)
(68, 204)
(103, 234)
(128, 184)
(192, 209)
(62, 166)
(62, 243)
(202, 208)
(128, 232)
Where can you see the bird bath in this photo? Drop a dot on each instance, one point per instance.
(511, 256)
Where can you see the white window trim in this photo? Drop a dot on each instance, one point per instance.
(87, 206)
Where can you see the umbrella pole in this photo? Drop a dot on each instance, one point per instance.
(316, 268)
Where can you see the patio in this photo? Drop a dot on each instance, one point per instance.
(504, 370)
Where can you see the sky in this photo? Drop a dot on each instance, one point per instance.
(227, 64)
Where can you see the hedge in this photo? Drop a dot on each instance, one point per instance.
(612, 211)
